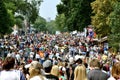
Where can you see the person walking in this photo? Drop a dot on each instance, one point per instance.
(47, 65)
(35, 71)
(96, 73)
(80, 72)
(115, 72)
(9, 72)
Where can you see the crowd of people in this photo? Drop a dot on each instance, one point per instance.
(64, 56)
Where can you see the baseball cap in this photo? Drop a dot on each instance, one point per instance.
(34, 64)
(47, 64)
(78, 58)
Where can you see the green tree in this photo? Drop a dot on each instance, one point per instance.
(51, 26)
(12, 8)
(28, 9)
(19, 21)
(101, 11)
(40, 24)
(114, 23)
(77, 13)
(6, 21)
(60, 22)
(25, 9)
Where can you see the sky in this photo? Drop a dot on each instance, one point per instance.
(48, 9)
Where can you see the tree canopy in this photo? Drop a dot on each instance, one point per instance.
(101, 11)
(5, 19)
(60, 22)
(114, 23)
(77, 13)
(40, 24)
(15, 11)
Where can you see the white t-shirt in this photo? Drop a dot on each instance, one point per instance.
(9, 75)
(111, 78)
(31, 54)
(37, 78)
(18, 57)
(37, 56)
